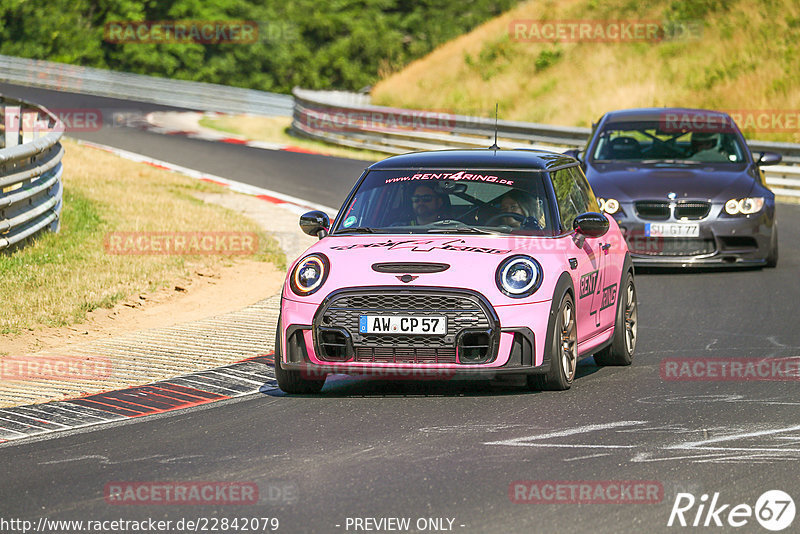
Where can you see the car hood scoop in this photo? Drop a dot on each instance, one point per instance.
(409, 267)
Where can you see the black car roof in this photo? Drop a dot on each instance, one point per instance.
(649, 114)
(478, 159)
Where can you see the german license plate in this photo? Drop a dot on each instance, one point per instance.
(402, 324)
(671, 230)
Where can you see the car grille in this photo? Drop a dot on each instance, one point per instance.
(692, 210)
(654, 210)
(657, 246)
(463, 310)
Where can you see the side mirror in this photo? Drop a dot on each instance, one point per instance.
(574, 153)
(591, 224)
(315, 223)
(769, 158)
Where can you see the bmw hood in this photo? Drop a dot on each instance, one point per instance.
(707, 182)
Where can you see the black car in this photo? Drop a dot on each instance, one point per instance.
(684, 187)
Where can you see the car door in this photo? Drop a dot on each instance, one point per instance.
(584, 252)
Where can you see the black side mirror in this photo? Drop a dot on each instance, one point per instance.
(591, 224)
(769, 158)
(315, 223)
(574, 153)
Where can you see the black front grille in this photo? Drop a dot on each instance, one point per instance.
(464, 310)
(405, 354)
(654, 210)
(692, 210)
(676, 246)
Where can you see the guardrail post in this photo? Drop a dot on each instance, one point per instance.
(12, 116)
(28, 125)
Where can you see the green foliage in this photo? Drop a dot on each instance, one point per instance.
(341, 44)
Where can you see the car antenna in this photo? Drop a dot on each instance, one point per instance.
(494, 146)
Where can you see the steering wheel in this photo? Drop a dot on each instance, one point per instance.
(496, 218)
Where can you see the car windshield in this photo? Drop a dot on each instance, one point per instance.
(450, 201)
(660, 141)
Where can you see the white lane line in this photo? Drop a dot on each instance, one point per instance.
(733, 437)
(525, 441)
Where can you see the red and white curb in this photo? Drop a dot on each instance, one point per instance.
(294, 204)
(152, 125)
(250, 376)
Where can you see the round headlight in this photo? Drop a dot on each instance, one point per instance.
(732, 206)
(519, 276)
(309, 274)
(611, 206)
(751, 205)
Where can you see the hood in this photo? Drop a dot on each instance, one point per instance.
(472, 262)
(626, 181)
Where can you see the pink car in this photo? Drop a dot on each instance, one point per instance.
(459, 262)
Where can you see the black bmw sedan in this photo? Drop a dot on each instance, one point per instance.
(684, 187)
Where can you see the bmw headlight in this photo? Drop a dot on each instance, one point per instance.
(519, 276)
(609, 205)
(745, 206)
(309, 274)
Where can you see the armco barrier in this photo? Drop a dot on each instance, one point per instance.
(30, 170)
(349, 120)
(142, 88)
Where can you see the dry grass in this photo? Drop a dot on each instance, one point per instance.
(275, 130)
(746, 59)
(57, 278)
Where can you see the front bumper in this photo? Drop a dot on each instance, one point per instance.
(723, 241)
(516, 346)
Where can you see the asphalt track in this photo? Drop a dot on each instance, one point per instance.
(378, 449)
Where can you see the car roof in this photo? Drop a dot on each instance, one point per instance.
(648, 114)
(484, 158)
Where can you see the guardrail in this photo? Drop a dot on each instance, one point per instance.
(337, 118)
(139, 87)
(30, 170)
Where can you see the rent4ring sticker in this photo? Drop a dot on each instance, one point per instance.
(402, 324)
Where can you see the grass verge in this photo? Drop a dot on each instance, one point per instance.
(57, 278)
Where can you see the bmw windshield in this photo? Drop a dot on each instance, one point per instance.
(414, 201)
(656, 141)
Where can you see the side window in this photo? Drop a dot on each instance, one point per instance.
(586, 189)
(572, 201)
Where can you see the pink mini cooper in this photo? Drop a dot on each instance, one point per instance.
(459, 262)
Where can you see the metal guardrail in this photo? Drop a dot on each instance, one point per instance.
(142, 88)
(351, 121)
(30, 170)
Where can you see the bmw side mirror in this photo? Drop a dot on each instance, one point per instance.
(769, 158)
(315, 223)
(591, 224)
(574, 153)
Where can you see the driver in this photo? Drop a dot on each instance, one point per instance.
(519, 202)
(704, 148)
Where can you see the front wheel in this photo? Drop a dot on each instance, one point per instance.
(772, 258)
(291, 381)
(626, 328)
(563, 350)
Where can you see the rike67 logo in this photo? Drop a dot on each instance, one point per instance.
(774, 510)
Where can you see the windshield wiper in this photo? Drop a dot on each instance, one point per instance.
(455, 227)
(356, 230)
(671, 161)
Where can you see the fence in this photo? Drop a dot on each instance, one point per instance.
(30, 170)
(337, 118)
(142, 88)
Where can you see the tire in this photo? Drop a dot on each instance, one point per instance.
(291, 381)
(563, 349)
(623, 344)
(772, 257)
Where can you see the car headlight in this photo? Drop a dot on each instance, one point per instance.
(309, 274)
(610, 206)
(519, 276)
(745, 206)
